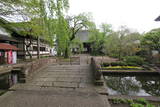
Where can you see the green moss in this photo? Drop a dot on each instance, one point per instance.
(136, 105)
(2, 92)
(141, 102)
(121, 101)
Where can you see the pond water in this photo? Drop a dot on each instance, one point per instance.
(134, 85)
(7, 80)
(4, 81)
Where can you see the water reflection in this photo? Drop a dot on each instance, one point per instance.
(150, 84)
(7, 80)
(133, 85)
(4, 81)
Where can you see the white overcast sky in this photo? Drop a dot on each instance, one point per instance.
(135, 14)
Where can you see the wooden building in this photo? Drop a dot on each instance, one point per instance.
(27, 45)
(8, 48)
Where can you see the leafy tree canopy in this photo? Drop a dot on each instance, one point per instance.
(151, 40)
(37, 16)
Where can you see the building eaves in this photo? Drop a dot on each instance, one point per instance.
(158, 18)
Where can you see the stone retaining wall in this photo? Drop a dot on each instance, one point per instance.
(97, 74)
(30, 68)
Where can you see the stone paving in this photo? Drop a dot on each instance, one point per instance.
(57, 86)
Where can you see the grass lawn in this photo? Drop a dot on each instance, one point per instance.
(2, 92)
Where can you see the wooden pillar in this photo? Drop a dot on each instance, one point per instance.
(24, 49)
(38, 48)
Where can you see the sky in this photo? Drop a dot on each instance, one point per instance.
(138, 15)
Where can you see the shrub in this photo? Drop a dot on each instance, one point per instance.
(134, 60)
(116, 101)
(142, 101)
(118, 64)
(150, 105)
(119, 101)
(114, 55)
(114, 63)
(136, 105)
(129, 101)
(132, 64)
(105, 64)
(122, 64)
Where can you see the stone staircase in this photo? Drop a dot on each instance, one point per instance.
(59, 76)
(57, 86)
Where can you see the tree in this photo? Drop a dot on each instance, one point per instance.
(9, 8)
(132, 44)
(151, 40)
(67, 30)
(62, 34)
(79, 22)
(106, 28)
(98, 38)
(123, 31)
(39, 14)
(76, 43)
(112, 44)
(123, 43)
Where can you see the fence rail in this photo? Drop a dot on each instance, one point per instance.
(69, 61)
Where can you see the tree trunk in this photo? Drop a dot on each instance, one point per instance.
(27, 47)
(30, 55)
(66, 54)
(24, 49)
(38, 48)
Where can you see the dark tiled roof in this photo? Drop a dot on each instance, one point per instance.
(5, 46)
(5, 37)
(158, 18)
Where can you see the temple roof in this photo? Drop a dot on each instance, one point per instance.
(5, 46)
(158, 18)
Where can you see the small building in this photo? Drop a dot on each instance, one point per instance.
(8, 48)
(83, 36)
(8, 53)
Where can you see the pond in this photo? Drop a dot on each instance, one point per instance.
(142, 85)
(7, 80)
